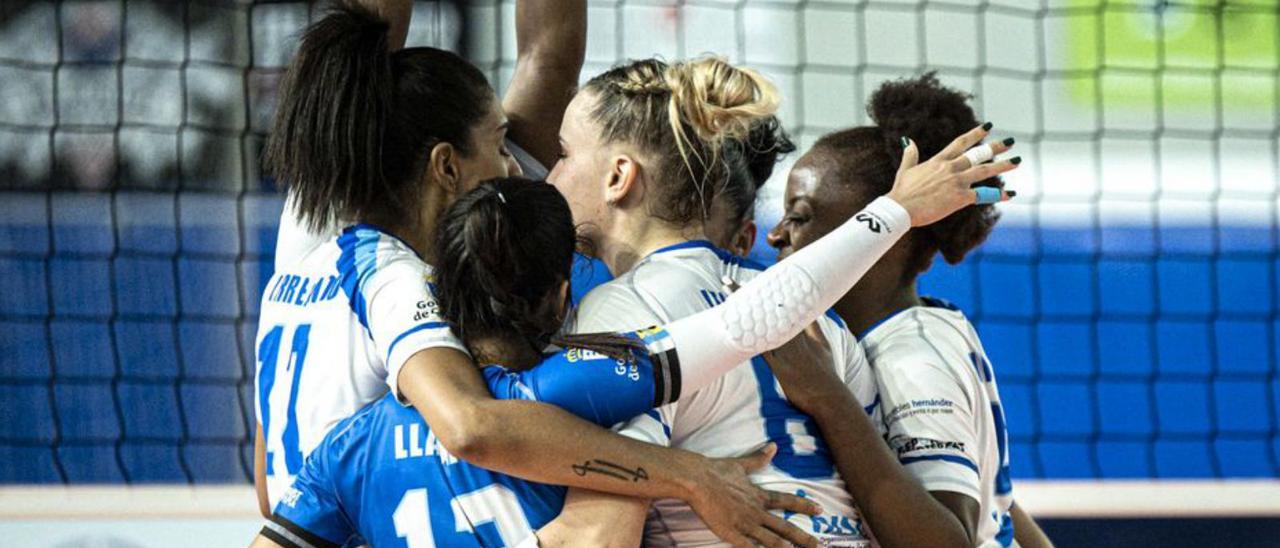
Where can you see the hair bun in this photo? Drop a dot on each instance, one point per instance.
(922, 109)
(717, 100)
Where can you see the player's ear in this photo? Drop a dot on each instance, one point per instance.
(745, 239)
(623, 180)
(442, 166)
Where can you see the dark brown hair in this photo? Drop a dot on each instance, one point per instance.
(356, 122)
(504, 249)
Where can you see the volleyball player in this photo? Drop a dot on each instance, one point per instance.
(938, 388)
(505, 251)
(380, 142)
(641, 147)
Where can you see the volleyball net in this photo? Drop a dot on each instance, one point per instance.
(1128, 298)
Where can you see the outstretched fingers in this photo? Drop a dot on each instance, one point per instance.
(964, 142)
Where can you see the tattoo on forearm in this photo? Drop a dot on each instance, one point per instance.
(610, 469)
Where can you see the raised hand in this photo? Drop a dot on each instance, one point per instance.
(941, 185)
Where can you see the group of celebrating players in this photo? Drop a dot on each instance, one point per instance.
(434, 368)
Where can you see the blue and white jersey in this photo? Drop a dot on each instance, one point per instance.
(942, 409)
(742, 410)
(381, 476)
(339, 318)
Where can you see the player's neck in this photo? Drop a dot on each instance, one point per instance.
(508, 351)
(874, 299)
(630, 242)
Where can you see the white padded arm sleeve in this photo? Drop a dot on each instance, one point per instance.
(776, 305)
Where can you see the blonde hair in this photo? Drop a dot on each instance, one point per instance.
(688, 109)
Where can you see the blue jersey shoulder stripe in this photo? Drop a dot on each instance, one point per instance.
(831, 313)
(356, 264)
(947, 458)
(412, 330)
(666, 429)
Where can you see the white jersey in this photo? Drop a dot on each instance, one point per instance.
(942, 409)
(739, 412)
(339, 318)
(368, 306)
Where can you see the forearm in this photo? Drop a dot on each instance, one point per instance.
(898, 508)
(591, 518)
(535, 441)
(543, 443)
(1026, 531)
(260, 472)
(552, 32)
(551, 41)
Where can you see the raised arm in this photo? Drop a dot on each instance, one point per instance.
(551, 42)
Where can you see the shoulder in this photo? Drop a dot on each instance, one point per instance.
(350, 433)
(621, 304)
(922, 341)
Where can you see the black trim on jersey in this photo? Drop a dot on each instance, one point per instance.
(305, 535)
(659, 380)
(277, 538)
(666, 377)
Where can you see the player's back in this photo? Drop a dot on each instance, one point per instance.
(337, 317)
(741, 411)
(942, 409)
(382, 476)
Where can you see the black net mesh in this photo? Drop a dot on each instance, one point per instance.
(1128, 300)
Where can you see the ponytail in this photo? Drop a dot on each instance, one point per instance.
(504, 249)
(330, 121)
(355, 119)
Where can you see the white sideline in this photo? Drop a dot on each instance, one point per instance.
(1047, 499)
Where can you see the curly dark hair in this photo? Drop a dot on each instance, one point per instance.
(932, 115)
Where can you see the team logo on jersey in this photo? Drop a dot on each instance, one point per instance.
(426, 310)
(574, 355)
(873, 223)
(291, 496)
(904, 445)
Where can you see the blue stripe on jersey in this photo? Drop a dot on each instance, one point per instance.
(947, 458)
(268, 353)
(778, 414)
(1005, 535)
(666, 429)
(831, 313)
(412, 330)
(874, 404)
(356, 264)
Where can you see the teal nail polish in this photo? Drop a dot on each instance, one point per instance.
(1015, 160)
(987, 126)
(1008, 142)
(1011, 193)
(906, 142)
